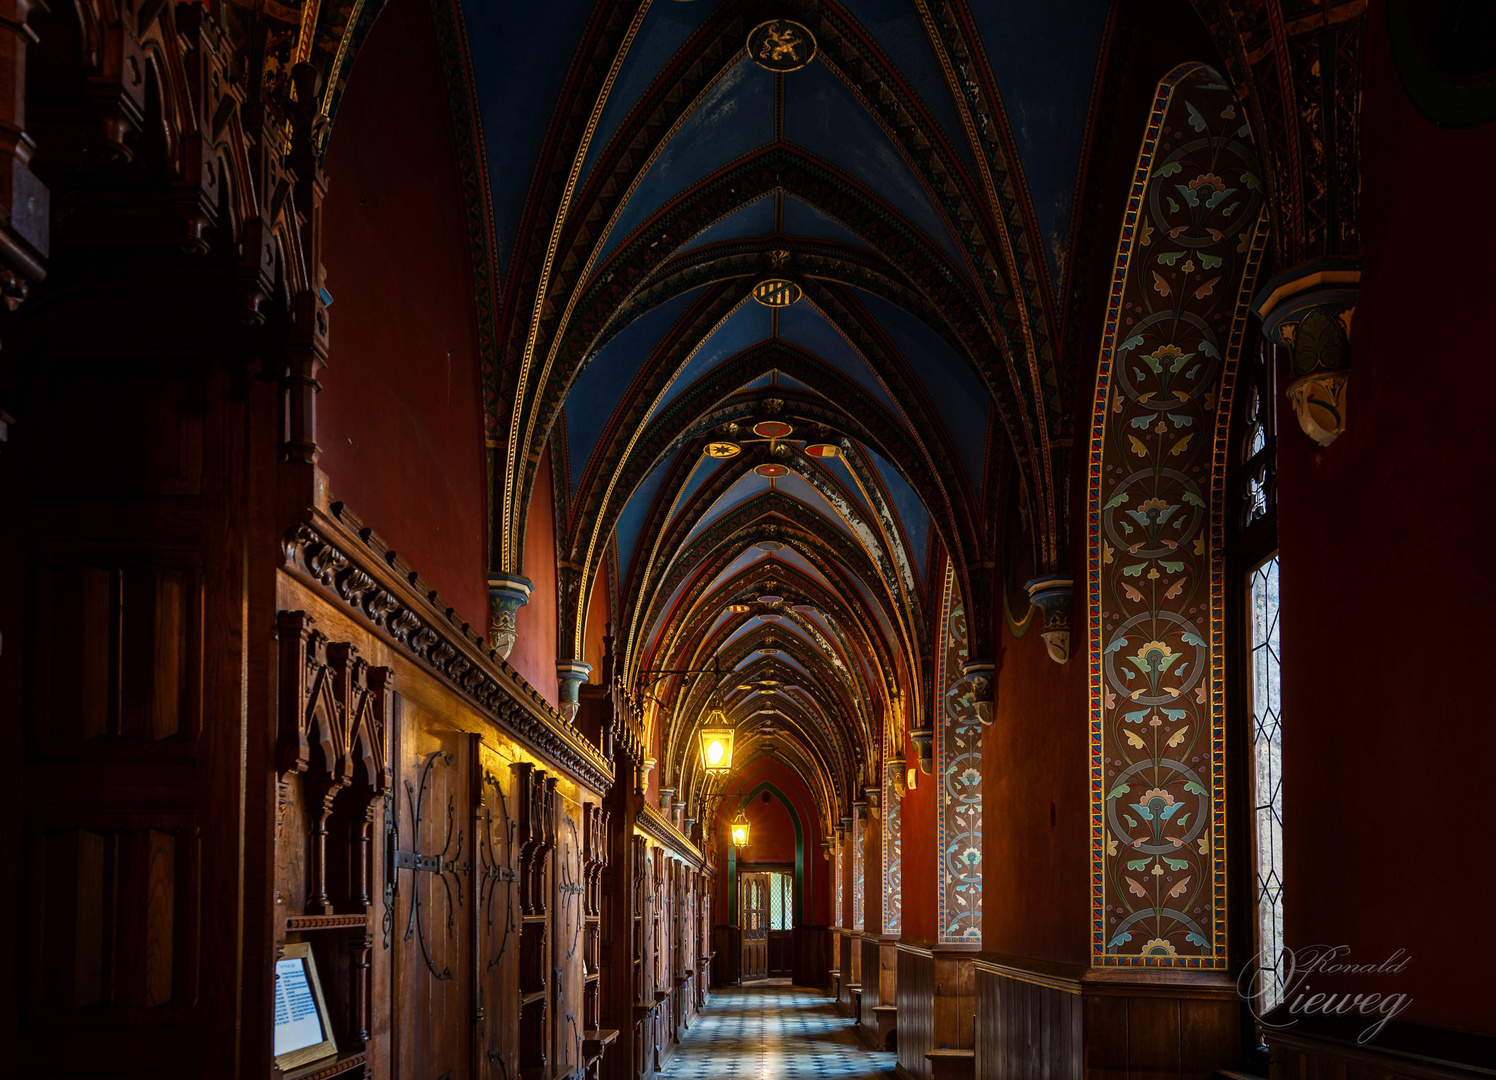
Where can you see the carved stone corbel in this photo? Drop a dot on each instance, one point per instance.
(507, 593)
(1051, 594)
(923, 739)
(572, 674)
(979, 681)
(1308, 310)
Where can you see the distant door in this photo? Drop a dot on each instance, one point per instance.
(753, 893)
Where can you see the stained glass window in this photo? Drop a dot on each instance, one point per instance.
(1267, 778)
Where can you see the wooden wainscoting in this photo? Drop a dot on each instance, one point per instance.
(813, 950)
(867, 945)
(849, 960)
(936, 998)
(916, 1002)
(1039, 1021)
(1397, 1052)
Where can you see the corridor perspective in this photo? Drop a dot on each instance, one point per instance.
(773, 1031)
(621, 539)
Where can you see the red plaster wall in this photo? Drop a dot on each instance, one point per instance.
(919, 873)
(1036, 817)
(400, 415)
(1388, 735)
(771, 832)
(534, 653)
(597, 622)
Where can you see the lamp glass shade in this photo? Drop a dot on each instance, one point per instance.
(716, 748)
(740, 830)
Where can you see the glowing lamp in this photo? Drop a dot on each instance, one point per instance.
(913, 777)
(740, 830)
(716, 743)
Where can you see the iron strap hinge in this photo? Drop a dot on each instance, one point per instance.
(412, 860)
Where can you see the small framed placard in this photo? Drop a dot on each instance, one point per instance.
(302, 1031)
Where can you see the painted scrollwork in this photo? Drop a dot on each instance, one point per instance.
(1185, 268)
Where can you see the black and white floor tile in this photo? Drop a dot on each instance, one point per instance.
(774, 1031)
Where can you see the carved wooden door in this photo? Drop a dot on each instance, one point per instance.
(566, 947)
(497, 915)
(430, 852)
(754, 892)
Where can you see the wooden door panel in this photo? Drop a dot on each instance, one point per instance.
(496, 914)
(566, 905)
(754, 892)
(432, 984)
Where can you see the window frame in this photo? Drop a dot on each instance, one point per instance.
(1248, 545)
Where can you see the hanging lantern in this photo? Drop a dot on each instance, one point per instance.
(716, 743)
(740, 829)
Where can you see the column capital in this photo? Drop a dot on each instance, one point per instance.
(507, 593)
(1308, 310)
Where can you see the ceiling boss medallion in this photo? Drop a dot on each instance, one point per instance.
(781, 45)
(723, 449)
(776, 292)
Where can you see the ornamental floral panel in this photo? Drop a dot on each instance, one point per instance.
(893, 851)
(839, 913)
(958, 771)
(859, 894)
(1190, 245)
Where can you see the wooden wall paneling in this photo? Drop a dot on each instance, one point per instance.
(848, 966)
(1153, 1049)
(1107, 1032)
(1398, 1053)
(1042, 1021)
(123, 628)
(955, 997)
(867, 945)
(916, 1004)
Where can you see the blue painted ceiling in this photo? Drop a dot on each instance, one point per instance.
(645, 172)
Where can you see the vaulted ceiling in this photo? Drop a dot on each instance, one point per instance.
(778, 293)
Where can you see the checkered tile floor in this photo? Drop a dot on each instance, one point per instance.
(774, 1031)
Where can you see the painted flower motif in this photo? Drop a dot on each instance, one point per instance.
(1207, 180)
(970, 777)
(1155, 656)
(971, 856)
(1158, 793)
(1159, 947)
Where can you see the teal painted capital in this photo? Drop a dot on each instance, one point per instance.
(572, 673)
(507, 593)
(1051, 594)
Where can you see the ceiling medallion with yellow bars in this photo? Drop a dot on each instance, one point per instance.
(776, 292)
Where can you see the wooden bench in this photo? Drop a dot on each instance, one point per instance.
(952, 1064)
(835, 977)
(855, 991)
(886, 1017)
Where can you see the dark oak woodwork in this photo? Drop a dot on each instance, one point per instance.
(1054, 1021)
